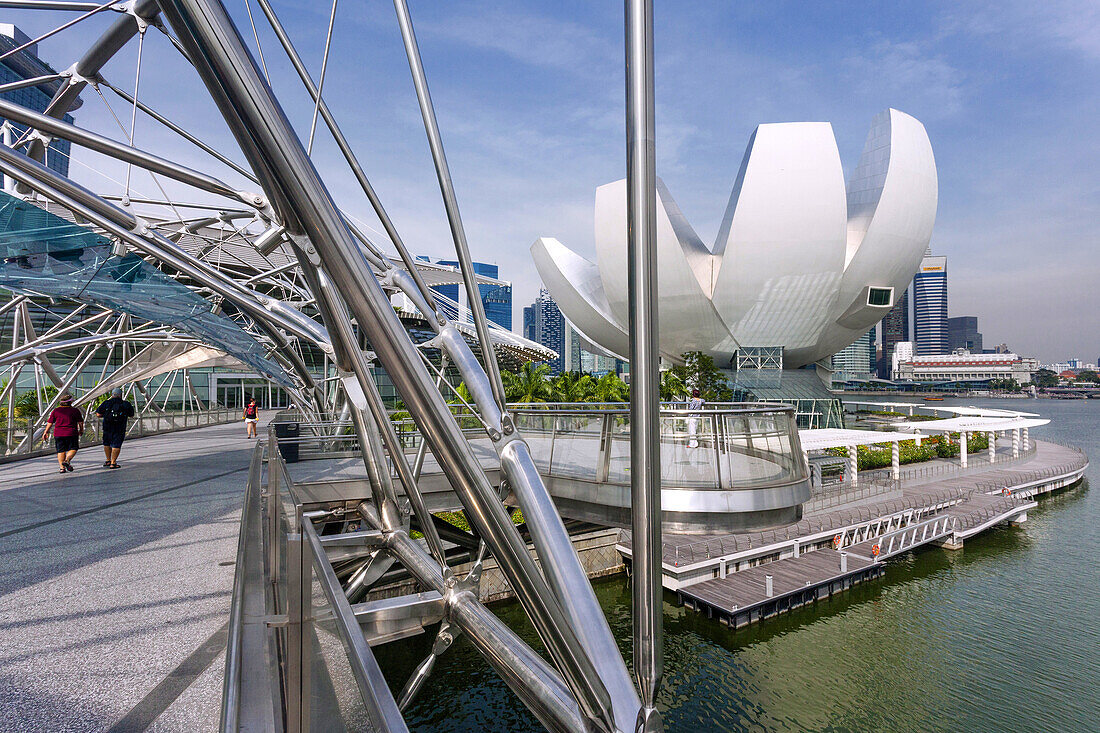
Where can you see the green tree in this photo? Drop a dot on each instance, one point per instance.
(572, 387)
(1088, 375)
(530, 384)
(610, 388)
(1045, 378)
(1004, 385)
(699, 372)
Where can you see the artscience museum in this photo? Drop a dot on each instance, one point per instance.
(803, 264)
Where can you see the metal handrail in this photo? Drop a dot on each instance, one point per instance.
(137, 427)
(231, 684)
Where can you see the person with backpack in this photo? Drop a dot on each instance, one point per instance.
(67, 425)
(114, 413)
(251, 416)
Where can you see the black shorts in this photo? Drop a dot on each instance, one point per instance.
(65, 443)
(113, 437)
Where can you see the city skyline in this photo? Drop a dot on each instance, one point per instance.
(531, 127)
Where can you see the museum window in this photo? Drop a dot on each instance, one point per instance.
(880, 296)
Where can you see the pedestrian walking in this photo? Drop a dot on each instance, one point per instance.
(67, 425)
(251, 417)
(114, 413)
(695, 404)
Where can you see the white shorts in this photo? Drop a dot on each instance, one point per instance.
(250, 420)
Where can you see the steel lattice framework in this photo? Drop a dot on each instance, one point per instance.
(276, 272)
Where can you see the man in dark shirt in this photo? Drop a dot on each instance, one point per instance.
(67, 425)
(114, 413)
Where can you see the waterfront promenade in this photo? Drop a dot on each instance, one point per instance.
(115, 585)
(743, 578)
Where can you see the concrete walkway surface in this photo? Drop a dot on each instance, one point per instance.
(115, 584)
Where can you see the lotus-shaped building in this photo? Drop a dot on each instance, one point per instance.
(801, 262)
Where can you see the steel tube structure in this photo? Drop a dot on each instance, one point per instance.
(126, 153)
(298, 194)
(349, 155)
(48, 5)
(88, 66)
(178, 130)
(123, 225)
(645, 395)
(450, 200)
(526, 673)
(127, 227)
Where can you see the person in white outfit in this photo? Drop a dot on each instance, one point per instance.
(695, 404)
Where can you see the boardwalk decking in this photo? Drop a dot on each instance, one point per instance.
(741, 598)
(706, 572)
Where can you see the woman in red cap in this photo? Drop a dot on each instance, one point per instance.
(67, 425)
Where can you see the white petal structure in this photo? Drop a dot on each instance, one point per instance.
(801, 261)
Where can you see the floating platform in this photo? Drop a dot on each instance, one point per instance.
(726, 577)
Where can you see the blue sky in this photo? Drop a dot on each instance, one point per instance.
(530, 102)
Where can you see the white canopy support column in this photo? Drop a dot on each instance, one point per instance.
(992, 435)
(895, 460)
(1027, 439)
(1016, 443)
(962, 448)
(853, 463)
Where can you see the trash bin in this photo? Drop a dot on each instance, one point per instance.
(287, 434)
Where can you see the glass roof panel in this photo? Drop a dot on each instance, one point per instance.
(43, 254)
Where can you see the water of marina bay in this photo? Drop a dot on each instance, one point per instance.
(1000, 636)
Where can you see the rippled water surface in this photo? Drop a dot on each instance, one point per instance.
(1001, 636)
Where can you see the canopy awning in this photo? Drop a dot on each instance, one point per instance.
(822, 438)
(974, 424)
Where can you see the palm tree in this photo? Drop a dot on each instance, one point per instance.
(572, 387)
(672, 387)
(528, 385)
(610, 388)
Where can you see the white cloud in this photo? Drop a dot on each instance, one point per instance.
(1073, 25)
(907, 73)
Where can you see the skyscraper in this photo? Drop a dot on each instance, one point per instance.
(962, 333)
(894, 329)
(26, 65)
(930, 306)
(529, 322)
(550, 328)
(856, 361)
(497, 299)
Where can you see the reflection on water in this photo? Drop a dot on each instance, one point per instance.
(1001, 636)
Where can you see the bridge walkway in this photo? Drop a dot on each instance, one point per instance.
(115, 585)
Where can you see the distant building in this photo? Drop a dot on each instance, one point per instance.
(26, 65)
(497, 299)
(571, 354)
(529, 322)
(965, 367)
(962, 333)
(550, 329)
(894, 329)
(930, 306)
(903, 352)
(855, 362)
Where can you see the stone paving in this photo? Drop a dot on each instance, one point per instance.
(115, 585)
